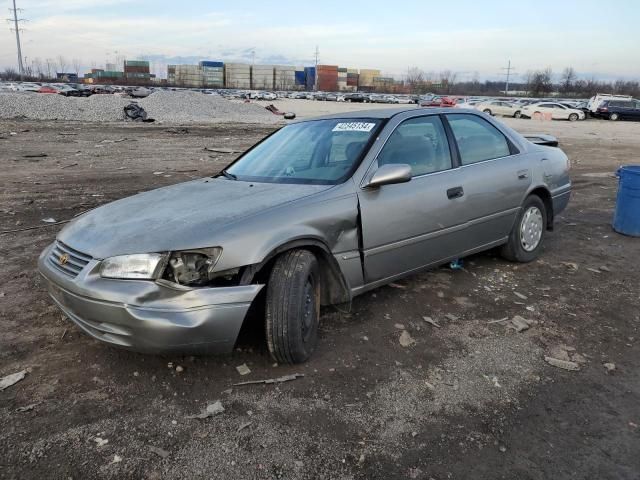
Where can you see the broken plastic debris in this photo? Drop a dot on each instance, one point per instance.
(12, 379)
(285, 378)
(564, 364)
(406, 340)
(212, 409)
(431, 321)
(243, 369)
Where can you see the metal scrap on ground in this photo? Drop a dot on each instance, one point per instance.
(268, 381)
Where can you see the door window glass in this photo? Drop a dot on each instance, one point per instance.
(419, 142)
(477, 139)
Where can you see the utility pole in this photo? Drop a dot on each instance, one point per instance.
(16, 27)
(315, 80)
(508, 69)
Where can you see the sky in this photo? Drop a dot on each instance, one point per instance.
(475, 39)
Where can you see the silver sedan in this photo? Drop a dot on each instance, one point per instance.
(315, 214)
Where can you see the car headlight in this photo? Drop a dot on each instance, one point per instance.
(193, 267)
(140, 266)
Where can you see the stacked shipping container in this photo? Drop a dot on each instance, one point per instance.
(310, 77)
(212, 74)
(366, 77)
(237, 75)
(342, 78)
(137, 70)
(300, 77)
(262, 77)
(327, 78)
(285, 77)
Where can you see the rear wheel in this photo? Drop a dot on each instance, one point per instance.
(614, 117)
(527, 235)
(573, 117)
(293, 307)
(487, 111)
(518, 114)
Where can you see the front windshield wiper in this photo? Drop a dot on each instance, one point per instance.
(229, 175)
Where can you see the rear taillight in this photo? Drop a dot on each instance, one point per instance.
(603, 109)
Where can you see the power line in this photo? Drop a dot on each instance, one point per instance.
(16, 28)
(508, 69)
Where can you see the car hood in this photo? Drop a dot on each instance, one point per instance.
(178, 217)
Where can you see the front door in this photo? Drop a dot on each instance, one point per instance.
(411, 225)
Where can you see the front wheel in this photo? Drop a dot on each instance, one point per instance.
(293, 307)
(527, 235)
(573, 117)
(614, 117)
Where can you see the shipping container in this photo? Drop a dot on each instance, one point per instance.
(136, 63)
(310, 77)
(300, 78)
(210, 63)
(342, 70)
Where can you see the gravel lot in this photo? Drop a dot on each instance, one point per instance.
(163, 106)
(471, 396)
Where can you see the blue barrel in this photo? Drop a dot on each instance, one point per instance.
(626, 219)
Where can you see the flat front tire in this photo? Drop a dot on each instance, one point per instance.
(526, 237)
(293, 307)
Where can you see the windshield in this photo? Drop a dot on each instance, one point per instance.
(319, 152)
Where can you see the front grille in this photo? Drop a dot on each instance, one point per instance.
(74, 261)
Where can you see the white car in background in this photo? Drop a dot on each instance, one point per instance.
(499, 107)
(555, 110)
(469, 103)
(269, 96)
(28, 87)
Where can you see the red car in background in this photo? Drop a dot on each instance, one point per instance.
(452, 101)
(48, 89)
(442, 101)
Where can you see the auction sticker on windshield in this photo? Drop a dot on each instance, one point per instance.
(353, 127)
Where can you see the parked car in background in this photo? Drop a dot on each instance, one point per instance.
(331, 97)
(497, 107)
(431, 101)
(48, 89)
(356, 97)
(471, 103)
(557, 111)
(595, 101)
(28, 87)
(452, 101)
(583, 106)
(619, 110)
(317, 213)
(321, 96)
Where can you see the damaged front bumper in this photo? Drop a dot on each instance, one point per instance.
(148, 316)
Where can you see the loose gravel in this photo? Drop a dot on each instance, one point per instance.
(163, 106)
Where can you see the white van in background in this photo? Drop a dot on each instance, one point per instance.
(595, 101)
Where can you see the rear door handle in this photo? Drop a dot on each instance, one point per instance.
(455, 192)
(522, 174)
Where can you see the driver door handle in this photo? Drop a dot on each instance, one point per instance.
(455, 192)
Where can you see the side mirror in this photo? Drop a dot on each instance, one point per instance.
(389, 174)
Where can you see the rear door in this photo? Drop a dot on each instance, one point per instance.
(495, 176)
(411, 225)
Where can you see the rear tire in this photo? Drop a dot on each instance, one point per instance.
(573, 117)
(518, 114)
(526, 237)
(613, 117)
(293, 307)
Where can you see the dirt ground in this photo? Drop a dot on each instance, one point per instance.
(470, 399)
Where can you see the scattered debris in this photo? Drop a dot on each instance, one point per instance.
(397, 285)
(222, 150)
(498, 321)
(452, 317)
(520, 295)
(35, 155)
(520, 324)
(243, 369)
(212, 409)
(70, 165)
(49, 220)
(158, 451)
(100, 442)
(26, 408)
(431, 321)
(406, 340)
(570, 265)
(285, 378)
(135, 112)
(179, 369)
(399, 326)
(564, 364)
(609, 366)
(456, 264)
(116, 459)
(67, 133)
(604, 268)
(244, 425)
(12, 379)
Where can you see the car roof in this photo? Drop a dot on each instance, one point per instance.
(382, 113)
